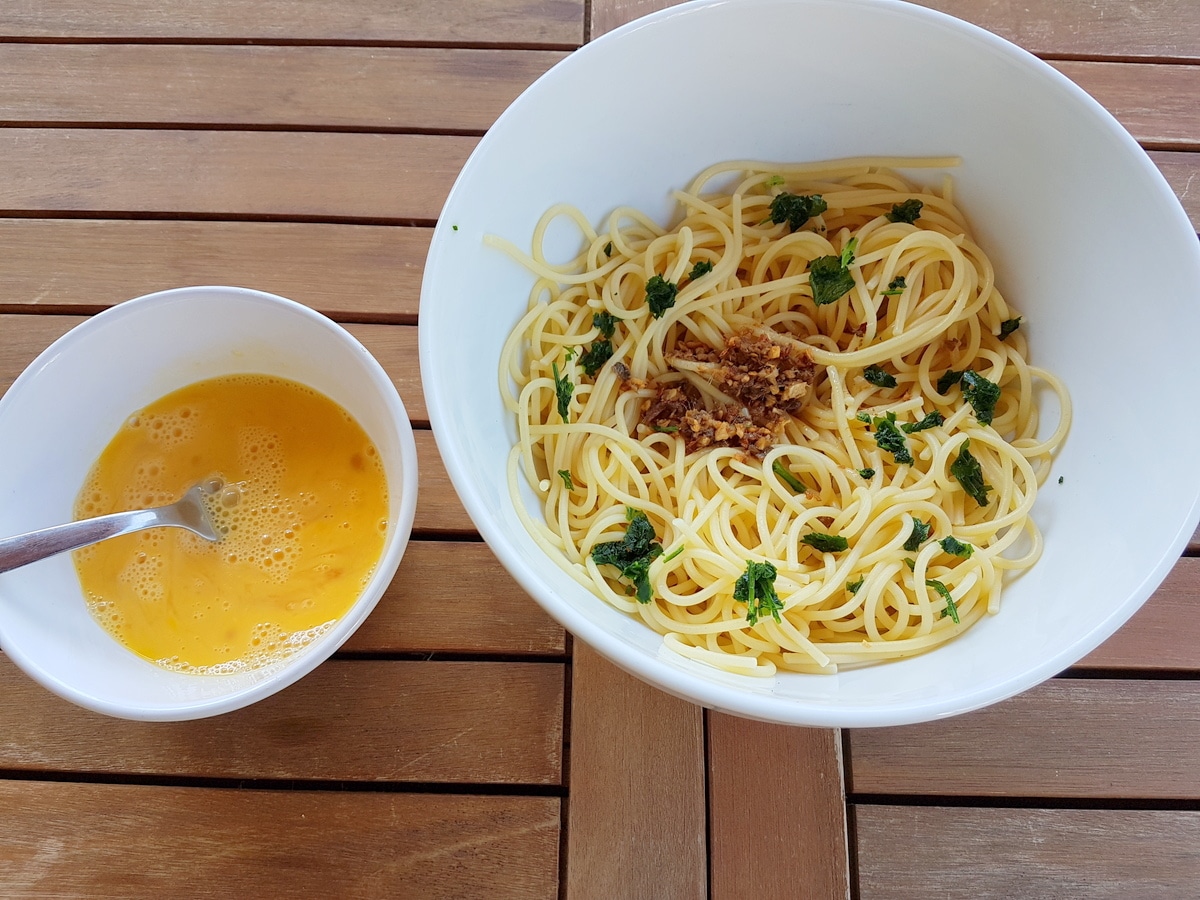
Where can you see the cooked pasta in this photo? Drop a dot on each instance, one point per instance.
(795, 430)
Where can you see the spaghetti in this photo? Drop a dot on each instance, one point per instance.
(795, 430)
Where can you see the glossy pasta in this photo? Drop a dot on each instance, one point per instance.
(890, 509)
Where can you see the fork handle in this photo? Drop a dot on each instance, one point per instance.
(30, 547)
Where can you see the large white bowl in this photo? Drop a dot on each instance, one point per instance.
(64, 409)
(1089, 242)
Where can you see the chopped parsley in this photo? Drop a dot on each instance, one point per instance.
(1060, 479)
(605, 323)
(908, 211)
(931, 420)
(867, 473)
(632, 554)
(660, 295)
(703, 267)
(455, 227)
(666, 429)
(920, 534)
(829, 276)
(878, 377)
(981, 394)
(608, 249)
(853, 586)
(948, 380)
(864, 417)
(773, 181)
(826, 543)
(969, 474)
(756, 588)
(955, 547)
(951, 609)
(565, 475)
(785, 475)
(563, 389)
(1008, 326)
(596, 356)
(890, 438)
(796, 209)
(896, 286)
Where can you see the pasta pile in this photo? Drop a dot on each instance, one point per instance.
(795, 430)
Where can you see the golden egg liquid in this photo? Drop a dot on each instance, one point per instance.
(303, 515)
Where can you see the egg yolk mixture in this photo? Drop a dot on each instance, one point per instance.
(302, 512)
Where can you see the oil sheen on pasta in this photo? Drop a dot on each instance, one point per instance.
(852, 483)
(303, 515)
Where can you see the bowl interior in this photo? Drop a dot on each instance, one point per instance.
(1043, 168)
(63, 410)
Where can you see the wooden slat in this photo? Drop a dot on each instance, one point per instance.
(381, 88)
(360, 272)
(1164, 634)
(229, 173)
(636, 824)
(360, 720)
(1158, 104)
(395, 347)
(609, 14)
(130, 841)
(1066, 738)
(914, 853)
(1118, 28)
(476, 21)
(438, 508)
(777, 811)
(461, 583)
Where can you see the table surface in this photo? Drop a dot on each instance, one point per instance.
(305, 148)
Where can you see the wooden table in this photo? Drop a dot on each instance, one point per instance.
(305, 148)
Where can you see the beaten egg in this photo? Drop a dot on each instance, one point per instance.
(302, 512)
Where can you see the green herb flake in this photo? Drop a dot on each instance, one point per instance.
(951, 609)
(563, 389)
(981, 394)
(867, 473)
(853, 586)
(826, 543)
(955, 547)
(565, 475)
(864, 417)
(785, 475)
(454, 227)
(877, 376)
(701, 268)
(1060, 479)
(890, 438)
(931, 420)
(911, 563)
(666, 429)
(829, 276)
(920, 534)
(908, 211)
(605, 323)
(773, 182)
(969, 474)
(896, 287)
(595, 357)
(1008, 326)
(660, 295)
(608, 249)
(948, 380)
(633, 554)
(756, 588)
(796, 209)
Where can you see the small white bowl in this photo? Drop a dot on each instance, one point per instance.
(1089, 242)
(64, 409)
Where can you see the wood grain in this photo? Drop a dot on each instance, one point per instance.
(453, 597)
(777, 811)
(409, 21)
(133, 841)
(361, 720)
(913, 853)
(1066, 738)
(229, 173)
(380, 88)
(636, 823)
(1164, 634)
(1158, 104)
(355, 272)
(438, 508)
